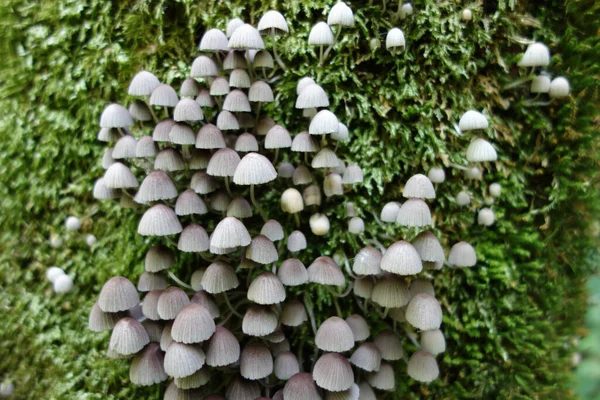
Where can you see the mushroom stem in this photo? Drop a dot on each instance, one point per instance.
(154, 117)
(281, 64)
(321, 55)
(337, 35)
(458, 167)
(519, 82)
(260, 210)
(276, 156)
(166, 111)
(224, 321)
(179, 281)
(411, 336)
(311, 315)
(227, 187)
(297, 220)
(250, 69)
(337, 306)
(230, 306)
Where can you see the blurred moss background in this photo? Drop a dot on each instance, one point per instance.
(511, 323)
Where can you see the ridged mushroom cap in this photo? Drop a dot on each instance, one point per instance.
(340, 15)
(190, 88)
(332, 185)
(242, 389)
(210, 137)
(462, 254)
(266, 288)
(323, 123)
(421, 285)
(147, 367)
(325, 158)
(236, 100)
(350, 394)
(239, 208)
(115, 116)
(124, 148)
(196, 380)
(312, 96)
(333, 372)
(203, 67)
(246, 37)
(293, 313)
(189, 111)
(401, 258)
(296, 241)
(536, 55)
(214, 40)
(359, 327)
(171, 302)
(305, 143)
(334, 334)
(262, 250)
(189, 203)
(230, 232)
(183, 360)
(193, 239)
(278, 138)
(246, 142)
(414, 212)
(286, 365)
(128, 337)
(159, 220)
(193, 324)
(118, 176)
(100, 321)
(363, 288)
(219, 87)
(263, 59)
(422, 367)
(232, 25)
(480, 150)
(472, 120)
(254, 169)
(320, 35)
(433, 342)
(272, 21)
(395, 40)
(162, 130)
(301, 386)
(118, 294)
(164, 96)
(390, 291)
(367, 357)
(101, 192)
(367, 261)
(388, 343)
(292, 272)
(259, 321)
(365, 390)
(429, 248)
(260, 91)
(142, 84)
(158, 258)
(384, 378)
(149, 281)
(256, 361)
(223, 163)
(204, 99)
(222, 349)
(168, 160)
(146, 147)
(150, 305)
(207, 301)
(424, 312)
(419, 186)
(219, 277)
(325, 271)
(353, 174)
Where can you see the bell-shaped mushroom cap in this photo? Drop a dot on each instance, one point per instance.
(204, 66)
(187, 110)
(334, 334)
(197, 379)
(473, 173)
(278, 138)
(183, 360)
(472, 120)
(333, 372)
(286, 365)
(304, 143)
(207, 301)
(263, 59)
(230, 232)
(101, 192)
(220, 201)
(219, 87)
(169, 160)
(142, 84)
(359, 327)
(367, 357)
(222, 348)
(422, 367)
(140, 111)
(312, 96)
(384, 378)
(170, 302)
(260, 91)
(462, 199)
(342, 133)
(223, 163)
(420, 187)
(118, 176)
(232, 25)
(462, 254)
(159, 220)
(414, 212)
(436, 175)
(259, 321)
(433, 342)
(340, 15)
(150, 305)
(291, 201)
(353, 174)
(312, 196)
(149, 281)
(124, 148)
(389, 345)
(540, 84)
(162, 130)
(128, 337)
(164, 95)
(239, 208)
(118, 294)
(236, 101)
(536, 55)
(389, 212)
(210, 137)
(146, 147)
(481, 150)
(559, 87)
(395, 40)
(204, 98)
(303, 83)
(189, 203)
(254, 169)
(356, 225)
(193, 324)
(390, 291)
(325, 271)
(324, 123)
(363, 288)
(214, 40)
(332, 185)
(115, 116)
(262, 250)
(349, 394)
(246, 37)
(366, 391)
(196, 279)
(100, 321)
(190, 88)
(158, 258)
(302, 175)
(219, 277)
(272, 230)
(285, 170)
(242, 389)
(193, 239)
(424, 312)
(421, 285)
(325, 158)
(256, 361)
(272, 22)
(296, 242)
(293, 313)
(401, 258)
(246, 142)
(367, 261)
(429, 248)
(320, 35)
(485, 217)
(292, 272)
(266, 288)
(301, 387)
(147, 367)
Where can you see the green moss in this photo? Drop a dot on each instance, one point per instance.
(509, 323)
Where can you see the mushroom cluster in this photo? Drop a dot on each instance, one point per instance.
(223, 311)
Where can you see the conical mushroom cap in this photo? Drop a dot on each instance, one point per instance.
(256, 361)
(333, 372)
(273, 230)
(293, 313)
(325, 271)
(193, 324)
(189, 88)
(462, 254)
(236, 100)
(189, 111)
(359, 327)
(472, 120)
(124, 148)
(203, 183)
(272, 22)
(292, 272)
(171, 302)
(366, 392)
(312, 96)
(363, 288)
(286, 365)
(384, 378)
(142, 84)
(230, 232)
(254, 169)
(210, 137)
(169, 160)
(305, 143)
(204, 99)
(422, 367)
(414, 212)
(162, 130)
(118, 176)
(223, 163)
(301, 387)
(278, 138)
(196, 380)
(175, 393)
(189, 203)
(164, 96)
(193, 239)
(207, 301)
(395, 40)
(262, 250)
(146, 147)
(158, 258)
(183, 360)
(204, 66)
(536, 55)
(325, 158)
(239, 208)
(226, 121)
(115, 116)
(118, 294)
(100, 321)
(147, 367)
(296, 242)
(159, 220)
(128, 337)
(340, 15)
(246, 37)
(259, 321)
(424, 312)
(389, 212)
(429, 248)
(367, 357)
(421, 285)
(480, 150)
(334, 335)
(266, 289)
(390, 291)
(246, 142)
(214, 40)
(401, 258)
(149, 281)
(367, 261)
(260, 91)
(433, 342)
(324, 123)
(150, 305)
(222, 348)
(419, 186)
(389, 345)
(219, 277)
(101, 192)
(320, 35)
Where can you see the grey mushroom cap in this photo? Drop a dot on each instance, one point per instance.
(388, 343)
(262, 250)
(142, 84)
(414, 212)
(207, 301)
(424, 312)
(312, 96)
(230, 232)
(266, 289)
(100, 321)
(363, 288)
(146, 147)
(115, 116)
(164, 96)
(359, 327)
(462, 254)
(325, 271)
(366, 392)
(421, 285)
(162, 130)
(286, 365)
(171, 302)
(273, 230)
(349, 394)
(155, 187)
(150, 305)
(214, 40)
(429, 248)
(296, 241)
(159, 220)
(390, 292)
(193, 324)
(256, 361)
(189, 203)
(272, 22)
(384, 378)
(226, 121)
(223, 163)
(149, 281)
(292, 272)
(305, 143)
(189, 88)
(401, 258)
(259, 321)
(222, 349)
(419, 186)
(168, 160)
(118, 294)
(389, 212)
(147, 367)
(433, 342)
(333, 372)
(243, 389)
(128, 337)
(236, 100)
(119, 176)
(196, 380)
(254, 169)
(183, 360)
(182, 133)
(193, 239)
(246, 142)
(210, 137)
(278, 138)
(422, 367)
(219, 277)
(301, 386)
(175, 393)
(334, 334)
(203, 67)
(124, 148)
(367, 261)
(101, 192)
(158, 258)
(293, 313)
(246, 37)
(367, 357)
